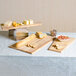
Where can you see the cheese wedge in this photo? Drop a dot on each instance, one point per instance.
(31, 21)
(26, 22)
(41, 35)
(38, 33)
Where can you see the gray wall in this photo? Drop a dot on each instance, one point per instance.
(59, 14)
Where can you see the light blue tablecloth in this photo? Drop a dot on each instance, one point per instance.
(41, 63)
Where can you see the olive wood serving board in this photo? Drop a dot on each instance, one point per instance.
(6, 28)
(38, 42)
(64, 44)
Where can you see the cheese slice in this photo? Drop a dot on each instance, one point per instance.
(31, 21)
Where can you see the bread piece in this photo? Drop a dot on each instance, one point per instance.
(24, 41)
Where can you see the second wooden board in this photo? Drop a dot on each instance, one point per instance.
(62, 45)
(6, 28)
(37, 43)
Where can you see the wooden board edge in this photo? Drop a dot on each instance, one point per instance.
(19, 50)
(54, 50)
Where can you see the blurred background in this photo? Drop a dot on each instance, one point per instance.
(54, 14)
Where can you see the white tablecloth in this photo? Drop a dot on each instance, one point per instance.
(41, 63)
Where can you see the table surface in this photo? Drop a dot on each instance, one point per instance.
(5, 41)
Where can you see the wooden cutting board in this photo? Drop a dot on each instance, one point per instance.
(39, 43)
(6, 28)
(64, 44)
